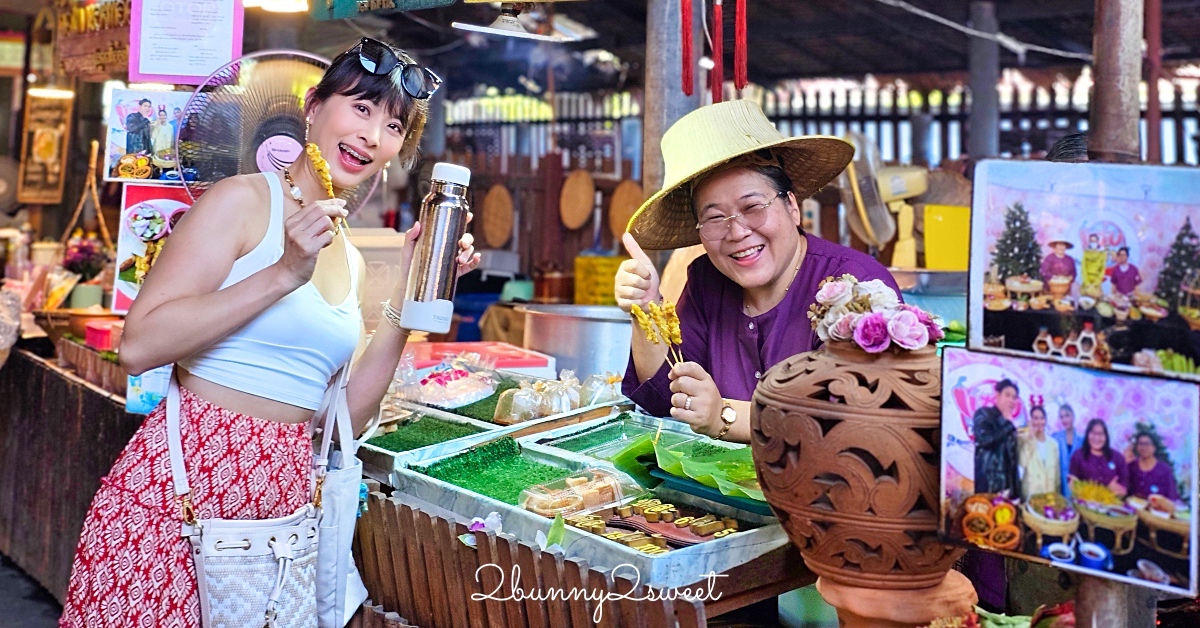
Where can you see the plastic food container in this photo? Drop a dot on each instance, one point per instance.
(583, 492)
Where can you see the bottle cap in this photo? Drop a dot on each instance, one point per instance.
(451, 173)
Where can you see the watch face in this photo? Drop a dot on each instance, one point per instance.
(728, 415)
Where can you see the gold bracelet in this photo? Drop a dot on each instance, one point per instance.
(393, 317)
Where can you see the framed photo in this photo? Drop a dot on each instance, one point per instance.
(44, 150)
(1094, 264)
(1086, 470)
(142, 130)
(148, 212)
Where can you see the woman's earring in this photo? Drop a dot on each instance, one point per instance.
(387, 164)
(307, 128)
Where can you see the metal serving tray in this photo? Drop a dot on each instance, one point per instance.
(677, 568)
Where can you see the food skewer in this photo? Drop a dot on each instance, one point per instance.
(322, 169)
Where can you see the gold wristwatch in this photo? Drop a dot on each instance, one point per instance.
(728, 416)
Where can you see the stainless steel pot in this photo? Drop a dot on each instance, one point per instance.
(588, 339)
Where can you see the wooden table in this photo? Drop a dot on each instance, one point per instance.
(58, 436)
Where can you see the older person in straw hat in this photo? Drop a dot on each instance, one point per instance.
(733, 184)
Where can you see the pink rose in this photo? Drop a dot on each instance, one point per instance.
(871, 333)
(906, 330)
(835, 293)
(929, 321)
(843, 328)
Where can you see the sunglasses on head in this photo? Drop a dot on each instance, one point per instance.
(380, 59)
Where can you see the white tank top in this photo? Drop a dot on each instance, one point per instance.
(290, 351)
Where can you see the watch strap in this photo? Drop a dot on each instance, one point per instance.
(727, 424)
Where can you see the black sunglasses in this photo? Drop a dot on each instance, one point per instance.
(380, 59)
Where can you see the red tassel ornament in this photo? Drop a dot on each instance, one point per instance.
(689, 64)
(717, 76)
(740, 73)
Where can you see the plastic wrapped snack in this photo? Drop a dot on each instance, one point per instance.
(454, 388)
(517, 404)
(600, 389)
(570, 383)
(586, 491)
(555, 398)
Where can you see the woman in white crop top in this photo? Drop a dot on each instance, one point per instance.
(255, 299)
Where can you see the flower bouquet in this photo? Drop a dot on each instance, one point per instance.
(870, 314)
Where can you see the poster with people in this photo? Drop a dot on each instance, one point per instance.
(1087, 470)
(1094, 264)
(142, 127)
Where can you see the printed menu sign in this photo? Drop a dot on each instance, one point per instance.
(183, 41)
(44, 150)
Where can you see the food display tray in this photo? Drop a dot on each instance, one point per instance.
(379, 463)
(676, 568)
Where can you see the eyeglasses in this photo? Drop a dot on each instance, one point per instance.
(752, 217)
(380, 59)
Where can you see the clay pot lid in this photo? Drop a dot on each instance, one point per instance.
(497, 216)
(575, 201)
(626, 200)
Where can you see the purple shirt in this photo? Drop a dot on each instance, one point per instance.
(1098, 468)
(1125, 281)
(1156, 481)
(1054, 266)
(737, 349)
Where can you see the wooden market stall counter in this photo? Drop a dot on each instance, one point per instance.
(58, 436)
(419, 573)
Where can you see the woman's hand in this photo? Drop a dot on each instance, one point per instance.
(695, 399)
(305, 233)
(1116, 487)
(466, 261)
(637, 280)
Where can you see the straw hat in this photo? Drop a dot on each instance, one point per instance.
(1060, 238)
(711, 136)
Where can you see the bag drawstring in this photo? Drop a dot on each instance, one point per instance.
(283, 553)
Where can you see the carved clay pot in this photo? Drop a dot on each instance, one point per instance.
(847, 449)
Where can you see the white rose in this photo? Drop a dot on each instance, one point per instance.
(823, 329)
(882, 296)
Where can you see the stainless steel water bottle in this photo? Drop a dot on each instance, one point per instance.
(429, 296)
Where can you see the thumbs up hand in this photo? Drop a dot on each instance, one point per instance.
(637, 280)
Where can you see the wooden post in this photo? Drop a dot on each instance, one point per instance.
(665, 101)
(1117, 46)
(1113, 137)
(1154, 153)
(983, 138)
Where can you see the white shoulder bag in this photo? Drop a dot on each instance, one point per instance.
(257, 572)
(338, 475)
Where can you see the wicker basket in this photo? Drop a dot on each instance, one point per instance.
(1050, 527)
(1107, 522)
(1182, 528)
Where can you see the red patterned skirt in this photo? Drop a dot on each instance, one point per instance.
(131, 567)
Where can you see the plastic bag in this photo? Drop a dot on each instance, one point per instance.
(570, 383)
(517, 404)
(600, 389)
(555, 398)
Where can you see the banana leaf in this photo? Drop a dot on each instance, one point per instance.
(730, 471)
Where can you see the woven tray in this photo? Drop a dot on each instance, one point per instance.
(1182, 528)
(1050, 527)
(1107, 522)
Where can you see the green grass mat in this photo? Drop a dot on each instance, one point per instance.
(498, 470)
(422, 433)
